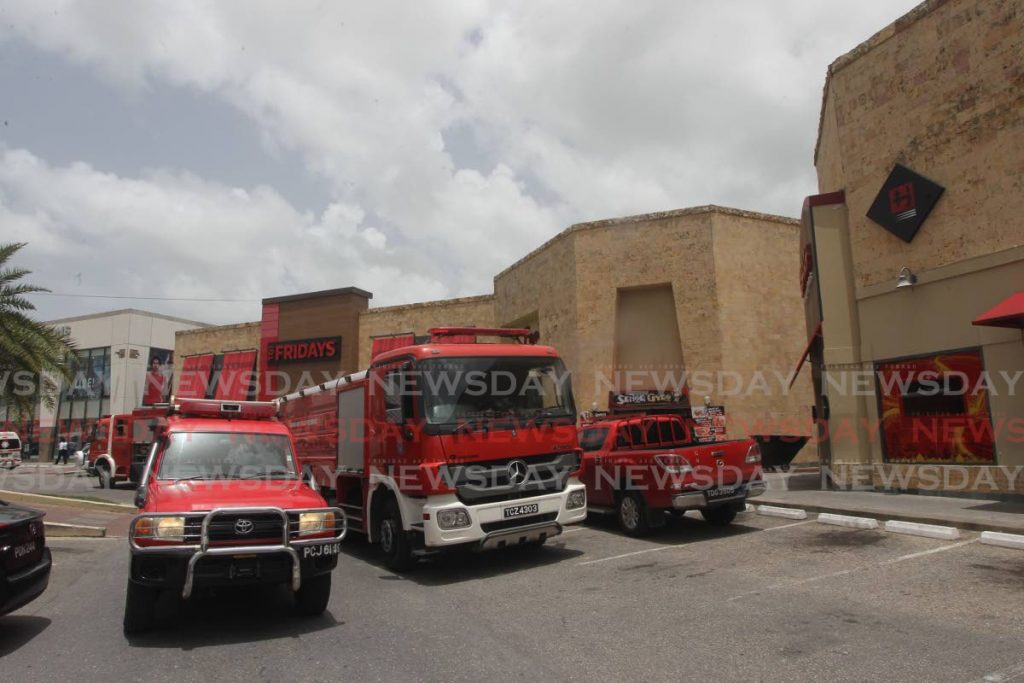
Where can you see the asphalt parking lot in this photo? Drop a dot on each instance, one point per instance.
(766, 599)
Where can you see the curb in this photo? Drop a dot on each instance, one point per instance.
(785, 513)
(944, 533)
(39, 499)
(1014, 541)
(59, 530)
(848, 521)
(920, 519)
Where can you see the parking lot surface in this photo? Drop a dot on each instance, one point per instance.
(765, 599)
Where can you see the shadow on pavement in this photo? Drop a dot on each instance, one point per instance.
(227, 617)
(17, 630)
(455, 565)
(677, 530)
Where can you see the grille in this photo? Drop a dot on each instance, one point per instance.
(516, 522)
(222, 527)
(488, 482)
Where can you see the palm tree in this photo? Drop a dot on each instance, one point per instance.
(33, 355)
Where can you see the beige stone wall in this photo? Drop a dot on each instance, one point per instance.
(220, 339)
(760, 312)
(942, 92)
(418, 318)
(674, 248)
(543, 284)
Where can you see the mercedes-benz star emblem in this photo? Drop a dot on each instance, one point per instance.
(517, 471)
(243, 526)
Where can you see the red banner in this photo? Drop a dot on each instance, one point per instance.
(935, 409)
(195, 375)
(236, 376)
(382, 344)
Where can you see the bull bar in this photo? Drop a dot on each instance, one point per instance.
(202, 549)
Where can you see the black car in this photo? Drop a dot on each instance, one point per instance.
(24, 558)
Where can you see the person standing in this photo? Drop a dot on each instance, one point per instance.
(62, 450)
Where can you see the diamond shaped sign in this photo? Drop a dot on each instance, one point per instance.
(904, 202)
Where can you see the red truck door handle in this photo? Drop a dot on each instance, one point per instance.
(718, 454)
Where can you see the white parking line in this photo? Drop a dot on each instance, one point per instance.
(1014, 673)
(832, 575)
(636, 552)
(786, 526)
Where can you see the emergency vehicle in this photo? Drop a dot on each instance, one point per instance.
(447, 441)
(118, 445)
(640, 464)
(222, 504)
(10, 450)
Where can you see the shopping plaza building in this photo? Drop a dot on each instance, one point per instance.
(700, 300)
(913, 253)
(886, 323)
(123, 360)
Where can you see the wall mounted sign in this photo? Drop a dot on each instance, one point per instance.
(299, 350)
(904, 202)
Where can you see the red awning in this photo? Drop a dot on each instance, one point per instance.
(1007, 313)
(236, 375)
(195, 376)
(390, 343)
(807, 352)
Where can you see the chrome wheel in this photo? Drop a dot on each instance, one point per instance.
(629, 512)
(387, 535)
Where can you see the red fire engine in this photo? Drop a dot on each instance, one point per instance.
(118, 445)
(447, 442)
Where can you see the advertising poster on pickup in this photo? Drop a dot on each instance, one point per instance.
(708, 423)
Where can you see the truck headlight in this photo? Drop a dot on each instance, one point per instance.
(161, 528)
(315, 522)
(576, 499)
(453, 518)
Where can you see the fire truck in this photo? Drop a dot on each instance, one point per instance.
(447, 442)
(118, 444)
(222, 504)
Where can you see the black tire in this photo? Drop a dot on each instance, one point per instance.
(719, 516)
(104, 475)
(392, 538)
(633, 514)
(139, 608)
(313, 595)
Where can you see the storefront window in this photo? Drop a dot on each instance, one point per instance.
(935, 409)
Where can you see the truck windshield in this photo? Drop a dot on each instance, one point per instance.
(220, 455)
(521, 388)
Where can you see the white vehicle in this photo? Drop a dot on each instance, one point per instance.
(10, 450)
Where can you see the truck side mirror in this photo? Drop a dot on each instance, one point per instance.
(140, 496)
(308, 479)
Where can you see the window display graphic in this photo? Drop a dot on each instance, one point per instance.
(935, 409)
(159, 374)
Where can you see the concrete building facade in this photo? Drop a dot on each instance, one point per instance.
(702, 298)
(917, 233)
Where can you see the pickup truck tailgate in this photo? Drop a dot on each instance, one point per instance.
(721, 463)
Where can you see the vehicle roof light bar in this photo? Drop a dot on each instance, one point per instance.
(440, 335)
(249, 410)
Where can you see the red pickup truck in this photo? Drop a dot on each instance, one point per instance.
(643, 466)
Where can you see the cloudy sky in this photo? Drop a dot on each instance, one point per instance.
(237, 150)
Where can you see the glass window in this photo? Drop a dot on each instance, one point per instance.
(622, 437)
(219, 455)
(636, 434)
(651, 433)
(665, 432)
(593, 439)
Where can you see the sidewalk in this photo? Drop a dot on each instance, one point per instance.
(964, 513)
(66, 517)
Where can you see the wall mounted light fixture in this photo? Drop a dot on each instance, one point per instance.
(906, 278)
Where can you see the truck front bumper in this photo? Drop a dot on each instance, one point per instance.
(695, 500)
(187, 564)
(489, 526)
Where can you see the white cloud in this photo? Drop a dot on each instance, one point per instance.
(582, 110)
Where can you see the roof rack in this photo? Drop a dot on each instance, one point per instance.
(248, 410)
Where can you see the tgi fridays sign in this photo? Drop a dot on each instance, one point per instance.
(304, 350)
(641, 400)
